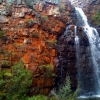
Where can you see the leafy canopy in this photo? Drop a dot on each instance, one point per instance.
(14, 82)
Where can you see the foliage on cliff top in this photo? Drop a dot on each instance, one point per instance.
(96, 18)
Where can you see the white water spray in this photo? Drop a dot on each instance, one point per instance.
(94, 42)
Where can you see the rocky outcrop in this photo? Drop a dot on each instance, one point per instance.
(80, 3)
(30, 34)
(67, 62)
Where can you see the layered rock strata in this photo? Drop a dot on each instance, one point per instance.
(30, 34)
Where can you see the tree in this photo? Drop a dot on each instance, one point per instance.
(65, 91)
(14, 82)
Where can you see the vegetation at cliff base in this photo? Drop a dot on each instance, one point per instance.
(14, 82)
(65, 91)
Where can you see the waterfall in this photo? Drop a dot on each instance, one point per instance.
(77, 46)
(93, 80)
(76, 38)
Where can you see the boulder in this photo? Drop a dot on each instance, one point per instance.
(3, 19)
(22, 15)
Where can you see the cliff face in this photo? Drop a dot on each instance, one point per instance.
(92, 10)
(73, 59)
(30, 34)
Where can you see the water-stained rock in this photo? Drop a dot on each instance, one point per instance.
(67, 55)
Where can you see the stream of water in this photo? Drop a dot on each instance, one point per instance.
(87, 91)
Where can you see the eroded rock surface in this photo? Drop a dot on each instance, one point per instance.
(67, 61)
(30, 34)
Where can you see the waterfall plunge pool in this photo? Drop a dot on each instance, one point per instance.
(93, 97)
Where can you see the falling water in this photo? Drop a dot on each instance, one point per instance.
(76, 45)
(94, 42)
(76, 37)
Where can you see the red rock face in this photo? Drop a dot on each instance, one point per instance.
(91, 9)
(31, 36)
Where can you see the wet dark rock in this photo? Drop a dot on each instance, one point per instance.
(56, 62)
(68, 58)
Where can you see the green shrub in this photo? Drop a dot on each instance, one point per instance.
(44, 17)
(29, 23)
(5, 63)
(1, 51)
(29, 20)
(65, 91)
(8, 6)
(49, 67)
(38, 97)
(14, 82)
(49, 29)
(96, 18)
(35, 35)
(2, 34)
(48, 70)
(51, 42)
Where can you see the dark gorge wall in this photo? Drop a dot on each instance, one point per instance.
(66, 57)
(67, 62)
(79, 69)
